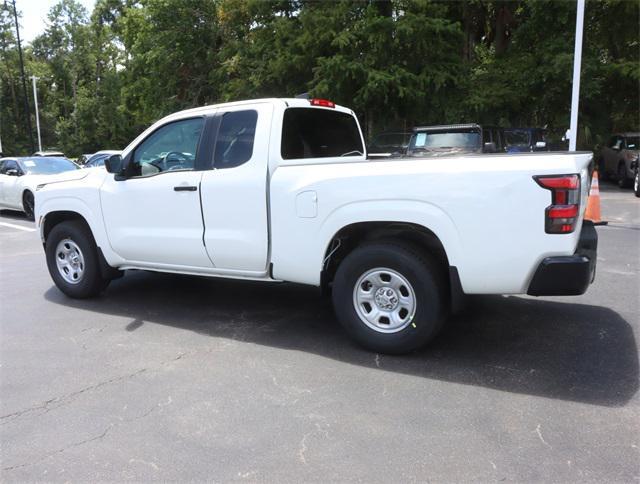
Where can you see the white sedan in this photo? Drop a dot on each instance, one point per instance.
(19, 178)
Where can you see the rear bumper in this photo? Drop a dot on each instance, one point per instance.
(568, 275)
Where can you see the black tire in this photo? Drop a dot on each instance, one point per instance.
(636, 182)
(623, 181)
(423, 274)
(28, 204)
(91, 282)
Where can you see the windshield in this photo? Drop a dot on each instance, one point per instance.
(516, 137)
(469, 140)
(47, 165)
(633, 142)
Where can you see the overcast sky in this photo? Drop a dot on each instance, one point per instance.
(34, 15)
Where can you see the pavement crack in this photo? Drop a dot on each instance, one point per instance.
(59, 401)
(100, 436)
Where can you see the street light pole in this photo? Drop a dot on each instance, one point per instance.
(1, 121)
(24, 81)
(35, 100)
(577, 60)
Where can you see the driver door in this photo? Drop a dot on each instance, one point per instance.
(153, 216)
(9, 184)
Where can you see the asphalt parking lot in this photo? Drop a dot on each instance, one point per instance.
(190, 379)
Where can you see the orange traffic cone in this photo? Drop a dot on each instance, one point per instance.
(593, 201)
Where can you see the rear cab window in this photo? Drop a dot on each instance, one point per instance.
(319, 133)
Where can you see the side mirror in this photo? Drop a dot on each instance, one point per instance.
(490, 147)
(113, 164)
(12, 172)
(541, 144)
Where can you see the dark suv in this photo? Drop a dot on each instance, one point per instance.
(522, 140)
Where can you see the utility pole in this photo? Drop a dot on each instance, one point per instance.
(35, 100)
(24, 81)
(577, 61)
(1, 154)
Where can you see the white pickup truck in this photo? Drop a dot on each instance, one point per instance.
(282, 190)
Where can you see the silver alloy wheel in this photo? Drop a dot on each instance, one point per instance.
(636, 180)
(384, 300)
(70, 261)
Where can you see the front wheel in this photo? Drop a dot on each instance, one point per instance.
(389, 297)
(636, 182)
(72, 260)
(28, 204)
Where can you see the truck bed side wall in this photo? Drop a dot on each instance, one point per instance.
(487, 211)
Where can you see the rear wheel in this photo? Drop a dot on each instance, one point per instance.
(636, 182)
(623, 181)
(28, 204)
(389, 297)
(72, 260)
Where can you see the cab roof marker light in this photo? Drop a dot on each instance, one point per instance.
(325, 103)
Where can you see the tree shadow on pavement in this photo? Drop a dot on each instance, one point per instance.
(557, 350)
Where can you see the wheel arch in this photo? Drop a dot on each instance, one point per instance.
(351, 236)
(51, 219)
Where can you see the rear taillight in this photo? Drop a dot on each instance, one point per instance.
(561, 216)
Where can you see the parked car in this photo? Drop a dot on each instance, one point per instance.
(617, 157)
(389, 143)
(82, 159)
(522, 140)
(97, 159)
(56, 154)
(454, 139)
(19, 178)
(281, 190)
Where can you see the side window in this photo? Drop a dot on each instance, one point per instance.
(234, 144)
(9, 165)
(172, 147)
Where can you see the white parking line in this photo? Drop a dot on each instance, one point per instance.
(19, 227)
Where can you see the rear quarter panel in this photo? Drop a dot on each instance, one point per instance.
(486, 209)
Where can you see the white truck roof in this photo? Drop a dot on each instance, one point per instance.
(283, 102)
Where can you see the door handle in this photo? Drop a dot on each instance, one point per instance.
(185, 188)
